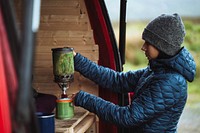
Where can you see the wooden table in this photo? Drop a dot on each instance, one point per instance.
(80, 123)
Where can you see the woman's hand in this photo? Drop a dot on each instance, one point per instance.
(74, 53)
(73, 97)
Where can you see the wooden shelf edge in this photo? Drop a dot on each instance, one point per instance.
(85, 124)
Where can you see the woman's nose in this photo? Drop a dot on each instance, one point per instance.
(143, 48)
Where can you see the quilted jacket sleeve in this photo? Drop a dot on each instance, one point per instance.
(153, 101)
(106, 77)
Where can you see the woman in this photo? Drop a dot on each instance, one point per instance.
(160, 90)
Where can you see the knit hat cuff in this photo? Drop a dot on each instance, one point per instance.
(159, 43)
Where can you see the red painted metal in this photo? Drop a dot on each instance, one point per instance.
(5, 119)
(106, 54)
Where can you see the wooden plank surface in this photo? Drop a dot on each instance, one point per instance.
(58, 18)
(60, 3)
(67, 126)
(59, 10)
(47, 49)
(48, 56)
(52, 41)
(65, 33)
(86, 123)
(65, 26)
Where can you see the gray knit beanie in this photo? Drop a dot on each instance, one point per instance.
(166, 33)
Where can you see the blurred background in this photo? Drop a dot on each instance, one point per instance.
(139, 13)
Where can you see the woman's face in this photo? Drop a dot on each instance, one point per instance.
(150, 51)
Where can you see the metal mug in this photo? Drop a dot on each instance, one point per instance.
(64, 108)
(46, 122)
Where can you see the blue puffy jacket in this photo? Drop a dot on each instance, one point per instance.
(160, 92)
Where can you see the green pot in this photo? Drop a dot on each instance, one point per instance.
(63, 64)
(64, 108)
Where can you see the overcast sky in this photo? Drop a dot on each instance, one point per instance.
(149, 9)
